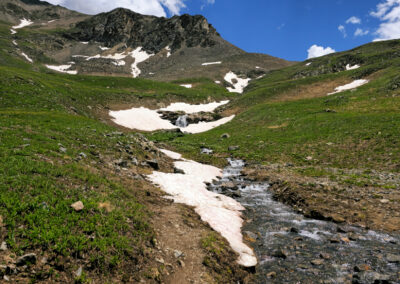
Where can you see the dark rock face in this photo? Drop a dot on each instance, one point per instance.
(151, 33)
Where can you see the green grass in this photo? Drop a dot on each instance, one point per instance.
(362, 132)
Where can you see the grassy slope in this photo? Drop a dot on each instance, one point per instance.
(40, 112)
(277, 126)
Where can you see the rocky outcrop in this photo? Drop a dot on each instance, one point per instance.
(151, 33)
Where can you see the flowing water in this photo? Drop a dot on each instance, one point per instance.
(182, 121)
(295, 249)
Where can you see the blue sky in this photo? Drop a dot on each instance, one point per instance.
(282, 28)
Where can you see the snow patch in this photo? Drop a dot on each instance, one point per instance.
(238, 83)
(352, 85)
(140, 56)
(104, 48)
(217, 82)
(85, 42)
(168, 49)
(188, 108)
(27, 57)
(258, 67)
(14, 43)
(13, 32)
(172, 155)
(119, 63)
(62, 69)
(211, 63)
(188, 86)
(222, 213)
(206, 126)
(51, 21)
(24, 23)
(349, 67)
(308, 64)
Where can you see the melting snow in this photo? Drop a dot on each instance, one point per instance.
(353, 85)
(27, 57)
(62, 69)
(222, 213)
(188, 108)
(13, 32)
(211, 63)
(104, 48)
(116, 56)
(308, 64)
(206, 126)
(348, 67)
(188, 86)
(84, 42)
(217, 82)
(139, 55)
(238, 83)
(150, 120)
(14, 42)
(24, 23)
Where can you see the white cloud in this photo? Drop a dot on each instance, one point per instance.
(361, 32)
(389, 13)
(147, 7)
(317, 51)
(342, 29)
(353, 20)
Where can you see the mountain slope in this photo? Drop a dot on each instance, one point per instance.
(125, 43)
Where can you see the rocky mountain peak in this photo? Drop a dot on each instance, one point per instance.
(151, 33)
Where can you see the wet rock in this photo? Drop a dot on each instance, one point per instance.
(294, 230)
(29, 258)
(153, 164)
(229, 186)
(393, 258)
(78, 206)
(334, 241)
(280, 253)
(251, 235)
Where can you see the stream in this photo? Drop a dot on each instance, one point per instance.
(294, 249)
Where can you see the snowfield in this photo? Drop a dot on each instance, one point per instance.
(222, 213)
(239, 84)
(62, 69)
(352, 85)
(145, 119)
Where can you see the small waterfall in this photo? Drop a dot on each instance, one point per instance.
(182, 121)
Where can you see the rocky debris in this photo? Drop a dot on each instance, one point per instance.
(191, 118)
(29, 258)
(82, 155)
(206, 151)
(78, 206)
(233, 148)
(317, 262)
(181, 263)
(63, 150)
(178, 171)
(280, 253)
(225, 136)
(3, 246)
(228, 186)
(393, 258)
(271, 275)
(153, 164)
(178, 254)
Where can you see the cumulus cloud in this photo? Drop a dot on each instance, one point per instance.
(342, 29)
(361, 32)
(317, 51)
(353, 20)
(389, 13)
(147, 7)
